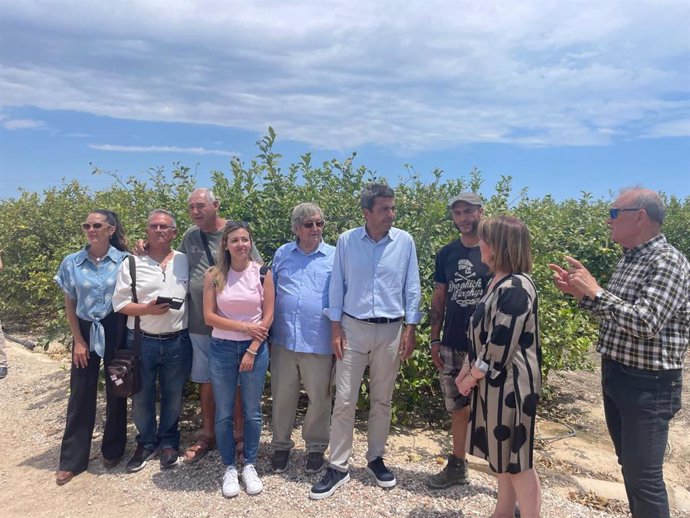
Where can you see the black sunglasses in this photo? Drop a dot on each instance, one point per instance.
(96, 226)
(310, 224)
(614, 212)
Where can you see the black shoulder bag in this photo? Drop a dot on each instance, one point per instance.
(209, 256)
(123, 372)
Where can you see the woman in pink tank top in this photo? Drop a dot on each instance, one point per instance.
(239, 305)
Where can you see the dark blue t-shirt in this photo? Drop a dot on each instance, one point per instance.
(466, 277)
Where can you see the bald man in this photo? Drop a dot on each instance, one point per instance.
(644, 315)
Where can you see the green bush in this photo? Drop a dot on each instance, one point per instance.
(38, 230)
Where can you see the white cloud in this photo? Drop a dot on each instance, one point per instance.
(23, 124)
(163, 149)
(672, 128)
(343, 74)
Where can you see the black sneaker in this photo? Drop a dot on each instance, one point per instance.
(168, 457)
(3, 372)
(279, 462)
(138, 460)
(383, 476)
(331, 481)
(314, 463)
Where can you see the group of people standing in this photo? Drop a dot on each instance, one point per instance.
(323, 314)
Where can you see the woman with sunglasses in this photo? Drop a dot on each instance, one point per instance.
(87, 278)
(239, 306)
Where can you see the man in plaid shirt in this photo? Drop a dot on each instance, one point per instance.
(644, 315)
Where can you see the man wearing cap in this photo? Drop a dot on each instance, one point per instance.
(460, 278)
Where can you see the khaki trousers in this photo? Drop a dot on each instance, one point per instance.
(375, 345)
(288, 369)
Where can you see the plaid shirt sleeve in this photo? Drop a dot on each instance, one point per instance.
(654, 304)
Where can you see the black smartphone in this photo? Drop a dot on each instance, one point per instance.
(175, 302)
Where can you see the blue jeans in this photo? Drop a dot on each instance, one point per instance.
(224, 367)
(638, 405)
(169, 361)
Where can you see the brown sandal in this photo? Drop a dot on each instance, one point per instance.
(199, 449)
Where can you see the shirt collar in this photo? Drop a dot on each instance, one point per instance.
(294, 247)
(645, 247)
(392, 233)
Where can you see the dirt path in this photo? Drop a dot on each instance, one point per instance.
(579, 474)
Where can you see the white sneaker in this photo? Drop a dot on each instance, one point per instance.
(231, 487)
(251, 480)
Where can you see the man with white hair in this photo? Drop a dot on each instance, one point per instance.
(301, 350)
(644, 329)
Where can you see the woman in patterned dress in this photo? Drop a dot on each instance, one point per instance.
(504, 364)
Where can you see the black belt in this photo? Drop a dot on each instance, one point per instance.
(377, 320)
(162, 336)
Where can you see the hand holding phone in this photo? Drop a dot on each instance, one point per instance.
(173, 302)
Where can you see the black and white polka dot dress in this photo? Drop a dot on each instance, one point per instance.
(504, 333)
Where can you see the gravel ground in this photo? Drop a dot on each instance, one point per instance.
(32, 407)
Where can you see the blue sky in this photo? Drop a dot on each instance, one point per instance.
(564, 97)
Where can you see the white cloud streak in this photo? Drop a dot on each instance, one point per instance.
(343, 74)
(23, 124)
(163, 149)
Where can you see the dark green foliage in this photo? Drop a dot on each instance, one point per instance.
(37, 231)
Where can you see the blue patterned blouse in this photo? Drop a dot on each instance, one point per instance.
(91, 285)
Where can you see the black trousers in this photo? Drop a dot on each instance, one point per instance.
(81, 409)
(638, 405)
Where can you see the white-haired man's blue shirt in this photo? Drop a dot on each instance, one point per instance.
(301, 282)
(375, 279)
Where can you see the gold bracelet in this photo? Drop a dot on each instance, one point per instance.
(472, 376)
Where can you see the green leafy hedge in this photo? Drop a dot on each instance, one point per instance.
(38, 230)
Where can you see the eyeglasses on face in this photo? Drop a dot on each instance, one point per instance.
(163, 228)
(95, 226)
(310, 224)
(615, 211)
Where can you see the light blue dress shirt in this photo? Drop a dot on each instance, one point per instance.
(301, 282)
(375, 279)
(92, 287)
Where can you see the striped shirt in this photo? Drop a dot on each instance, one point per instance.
(644, 312)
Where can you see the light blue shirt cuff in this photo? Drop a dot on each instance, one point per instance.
(413, 318)
(334, 314)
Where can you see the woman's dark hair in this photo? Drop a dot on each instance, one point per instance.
(118, 239)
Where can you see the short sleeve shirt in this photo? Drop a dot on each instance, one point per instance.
(193, 247)
(466, 277)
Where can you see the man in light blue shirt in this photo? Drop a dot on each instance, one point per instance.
(374, 289)
(301, 339)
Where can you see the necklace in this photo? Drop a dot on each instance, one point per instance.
(96, 258)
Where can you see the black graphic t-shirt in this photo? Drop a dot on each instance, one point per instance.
(465, 276)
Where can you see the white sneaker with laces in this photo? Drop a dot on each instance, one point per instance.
(251, 480)
(231, 487)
